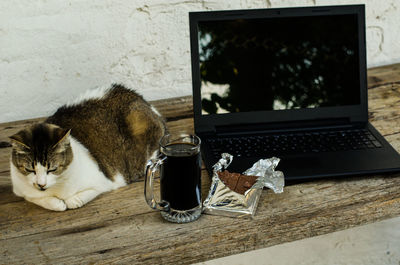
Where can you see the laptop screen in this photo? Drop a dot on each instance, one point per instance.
(283, 65)
(278, 63)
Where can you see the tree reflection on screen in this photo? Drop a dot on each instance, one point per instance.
(278, 63)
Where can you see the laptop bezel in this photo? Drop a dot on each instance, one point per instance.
(351, 113)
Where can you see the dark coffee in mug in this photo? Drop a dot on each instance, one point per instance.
(181, 177)
(179, 168)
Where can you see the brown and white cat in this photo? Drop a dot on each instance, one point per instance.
(97, 144)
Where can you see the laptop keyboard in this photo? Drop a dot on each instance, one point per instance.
(294, 143)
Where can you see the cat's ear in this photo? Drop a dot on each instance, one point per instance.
(63, 139)
(18, 141)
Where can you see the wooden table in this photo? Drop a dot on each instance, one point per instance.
(118, 227)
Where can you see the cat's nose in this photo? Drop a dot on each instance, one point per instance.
(41, 186)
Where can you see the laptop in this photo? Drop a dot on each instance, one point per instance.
(289, 83)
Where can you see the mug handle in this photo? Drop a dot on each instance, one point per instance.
(151, 167)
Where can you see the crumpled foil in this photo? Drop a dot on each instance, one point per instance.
(221, 200)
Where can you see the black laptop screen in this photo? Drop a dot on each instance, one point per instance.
(278, 63)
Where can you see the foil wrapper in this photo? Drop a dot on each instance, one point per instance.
(221, 200)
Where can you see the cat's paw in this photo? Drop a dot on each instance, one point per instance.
(74, 202)
(58, 205)
(51, 203)
(81, 198)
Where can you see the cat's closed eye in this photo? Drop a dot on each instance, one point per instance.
(30, 170)
(52, 170)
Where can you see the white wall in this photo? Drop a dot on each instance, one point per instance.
(51, 51)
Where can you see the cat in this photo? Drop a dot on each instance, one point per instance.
(97, 144)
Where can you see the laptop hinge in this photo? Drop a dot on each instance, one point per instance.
(284, 126)
(202, 130)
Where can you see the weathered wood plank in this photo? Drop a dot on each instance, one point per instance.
(304, 210)
(126, 201)
(175, 108)
(118, 227)
(388, 74)
(384, 108)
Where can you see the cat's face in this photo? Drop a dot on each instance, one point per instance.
(41, 153)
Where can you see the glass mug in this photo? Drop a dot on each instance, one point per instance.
(179, 164)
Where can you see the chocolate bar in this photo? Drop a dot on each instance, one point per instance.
(236, 181)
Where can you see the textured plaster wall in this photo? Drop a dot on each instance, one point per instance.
(51, 51)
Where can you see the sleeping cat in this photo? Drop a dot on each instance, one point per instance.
(97, 144)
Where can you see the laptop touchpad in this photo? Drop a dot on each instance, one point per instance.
(295, 164)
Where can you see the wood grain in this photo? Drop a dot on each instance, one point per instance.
(118, 227)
